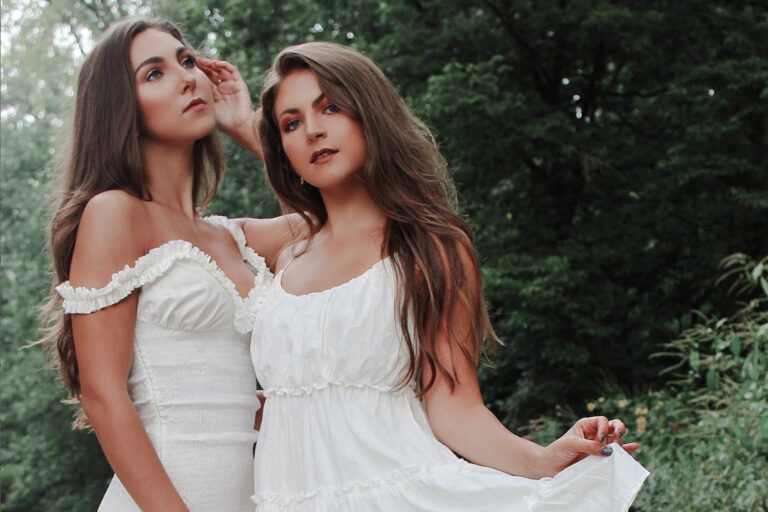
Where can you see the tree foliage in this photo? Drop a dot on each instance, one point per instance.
(608, 155)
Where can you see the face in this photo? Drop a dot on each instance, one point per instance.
(325, 145)
(174, 96)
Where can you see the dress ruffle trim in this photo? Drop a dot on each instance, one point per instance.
(245, 316)
(249, 255)
(158, 261)
(596, 483)
(311, 388)
(396, 478)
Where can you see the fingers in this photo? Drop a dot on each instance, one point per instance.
(602, 430)
(226, 66)
(588, 446)
(601, 426)
(218, 71)
(206, 67)
(616, 430)
(630, 447)
(214, 70)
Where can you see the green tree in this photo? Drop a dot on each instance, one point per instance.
(44, 464)
(608, 155)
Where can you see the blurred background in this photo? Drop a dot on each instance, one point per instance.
(610, 156)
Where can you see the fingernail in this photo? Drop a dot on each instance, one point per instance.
(602, 437)
(619, 432)
(606, 450)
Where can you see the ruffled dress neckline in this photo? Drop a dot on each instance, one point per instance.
(159, 260)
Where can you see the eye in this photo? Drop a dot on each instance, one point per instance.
(291, 125)
(189, 62)
(153, 74)
(331, 109)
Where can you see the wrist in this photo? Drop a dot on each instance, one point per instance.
(540, 461)
(246, 134)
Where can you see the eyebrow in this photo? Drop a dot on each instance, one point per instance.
(315, 103)
(154, 60)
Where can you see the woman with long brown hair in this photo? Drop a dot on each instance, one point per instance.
(368, 340)
(152, 332)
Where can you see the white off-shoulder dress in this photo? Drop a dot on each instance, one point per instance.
(338, 434)
(191, 378)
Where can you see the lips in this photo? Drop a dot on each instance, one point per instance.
(195, 102)
(322, 154)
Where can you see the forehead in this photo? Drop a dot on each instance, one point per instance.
(297, 90)
(153, 43)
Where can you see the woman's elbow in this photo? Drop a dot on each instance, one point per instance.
(441, 423)
(99, 403)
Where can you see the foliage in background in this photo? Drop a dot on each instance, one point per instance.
(608, 154)
(704, 435)
(44, 465)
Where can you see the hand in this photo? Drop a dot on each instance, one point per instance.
(232, 102)
(260, 412)
(588, 436)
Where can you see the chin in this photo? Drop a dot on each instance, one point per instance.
(205, 131)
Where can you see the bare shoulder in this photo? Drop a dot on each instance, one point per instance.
(109, 236)
(269, 237)
(111, 214)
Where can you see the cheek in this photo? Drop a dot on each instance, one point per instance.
(151, 106)
(292, 149)
(356, 134)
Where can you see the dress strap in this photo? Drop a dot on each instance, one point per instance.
(231, 226)
(293, 257)
(257, 263)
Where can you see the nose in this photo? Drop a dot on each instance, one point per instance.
(315, 129)
(188, 79)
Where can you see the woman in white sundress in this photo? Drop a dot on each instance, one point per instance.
(367, 342)
(158, 303)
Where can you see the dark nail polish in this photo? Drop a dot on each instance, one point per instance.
(606, 450)
(619, 432)
(602, 437)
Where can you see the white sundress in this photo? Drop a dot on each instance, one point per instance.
(191, 378)
(338, 434)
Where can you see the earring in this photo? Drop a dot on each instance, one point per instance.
(302, 181)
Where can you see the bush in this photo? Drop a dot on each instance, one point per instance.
(704, 437)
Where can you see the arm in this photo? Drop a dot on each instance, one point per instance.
(268, 237)
(234, 112)
(461, 421)
(260, 413)
(104, 346)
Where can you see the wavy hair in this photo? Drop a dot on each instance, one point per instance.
(104, 153)
(407, 178)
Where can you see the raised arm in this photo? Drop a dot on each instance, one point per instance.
(108, 238)
(268, 237)
(232, 102)
(461, 421)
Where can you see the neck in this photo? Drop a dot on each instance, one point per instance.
(351, 212)
(170, 174)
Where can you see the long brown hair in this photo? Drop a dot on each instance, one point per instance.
(104, 154)
(405, 176)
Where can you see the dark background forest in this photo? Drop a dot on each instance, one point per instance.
(611, 157)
